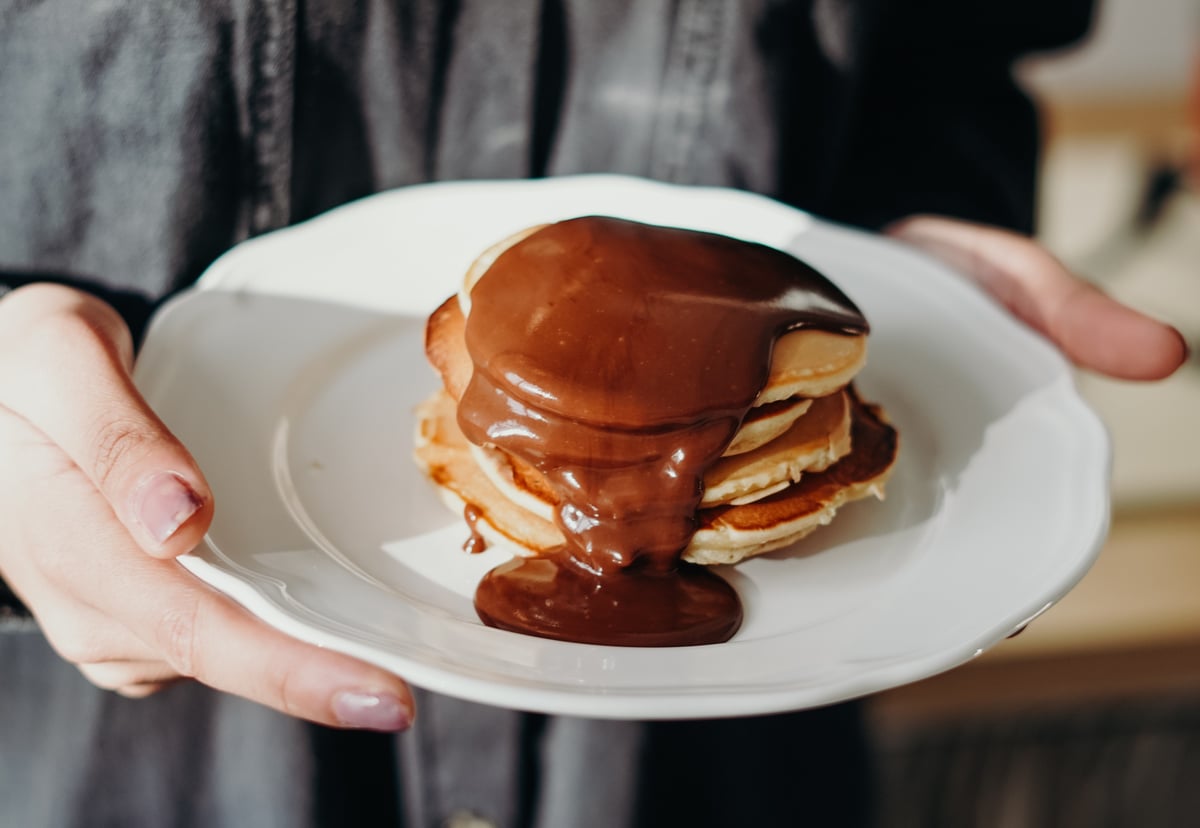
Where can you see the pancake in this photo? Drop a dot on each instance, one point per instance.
(813, 443)
(765, 422)
(813, 363)
(485, 260)
(804, 363)
(787, 395)
(445, 456)
(727, 534)
(622, 402)
(446, 348)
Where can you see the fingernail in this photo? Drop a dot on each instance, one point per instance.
(371, 711)
(162, 503)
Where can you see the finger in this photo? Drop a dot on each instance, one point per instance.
(190, 631)
(141, 691)
(82, 635)
(85, 637)
(62, 518)
(65, 367)
(136, 679)
(197, 632)
(149, 610)
(204, 635)
(1092, 329)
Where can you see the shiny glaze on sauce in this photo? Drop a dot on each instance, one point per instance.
(619, 359)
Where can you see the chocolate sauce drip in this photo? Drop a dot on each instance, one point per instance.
(619, 360)
(475, 543)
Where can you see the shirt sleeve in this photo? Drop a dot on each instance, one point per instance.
(14, 617)
(943, 126)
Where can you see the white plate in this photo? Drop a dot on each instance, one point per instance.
(292, 369)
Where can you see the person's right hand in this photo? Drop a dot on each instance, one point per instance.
(96, 500)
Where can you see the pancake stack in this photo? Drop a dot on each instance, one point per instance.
(807, 445)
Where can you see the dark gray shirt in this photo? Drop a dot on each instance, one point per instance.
(140, 140)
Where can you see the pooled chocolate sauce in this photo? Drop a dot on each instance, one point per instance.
(619, 360)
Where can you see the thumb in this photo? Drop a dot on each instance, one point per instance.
(65, 360)
(1094, 330)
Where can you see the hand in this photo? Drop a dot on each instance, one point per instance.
(96, 500)
(1093, 330)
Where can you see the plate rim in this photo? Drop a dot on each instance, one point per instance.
(601, 702)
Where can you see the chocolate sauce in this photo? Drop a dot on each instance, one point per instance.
(619, 360)
(475, 544)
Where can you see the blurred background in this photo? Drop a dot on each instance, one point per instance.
(1091, 717)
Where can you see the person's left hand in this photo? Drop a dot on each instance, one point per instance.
(1093, 330)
